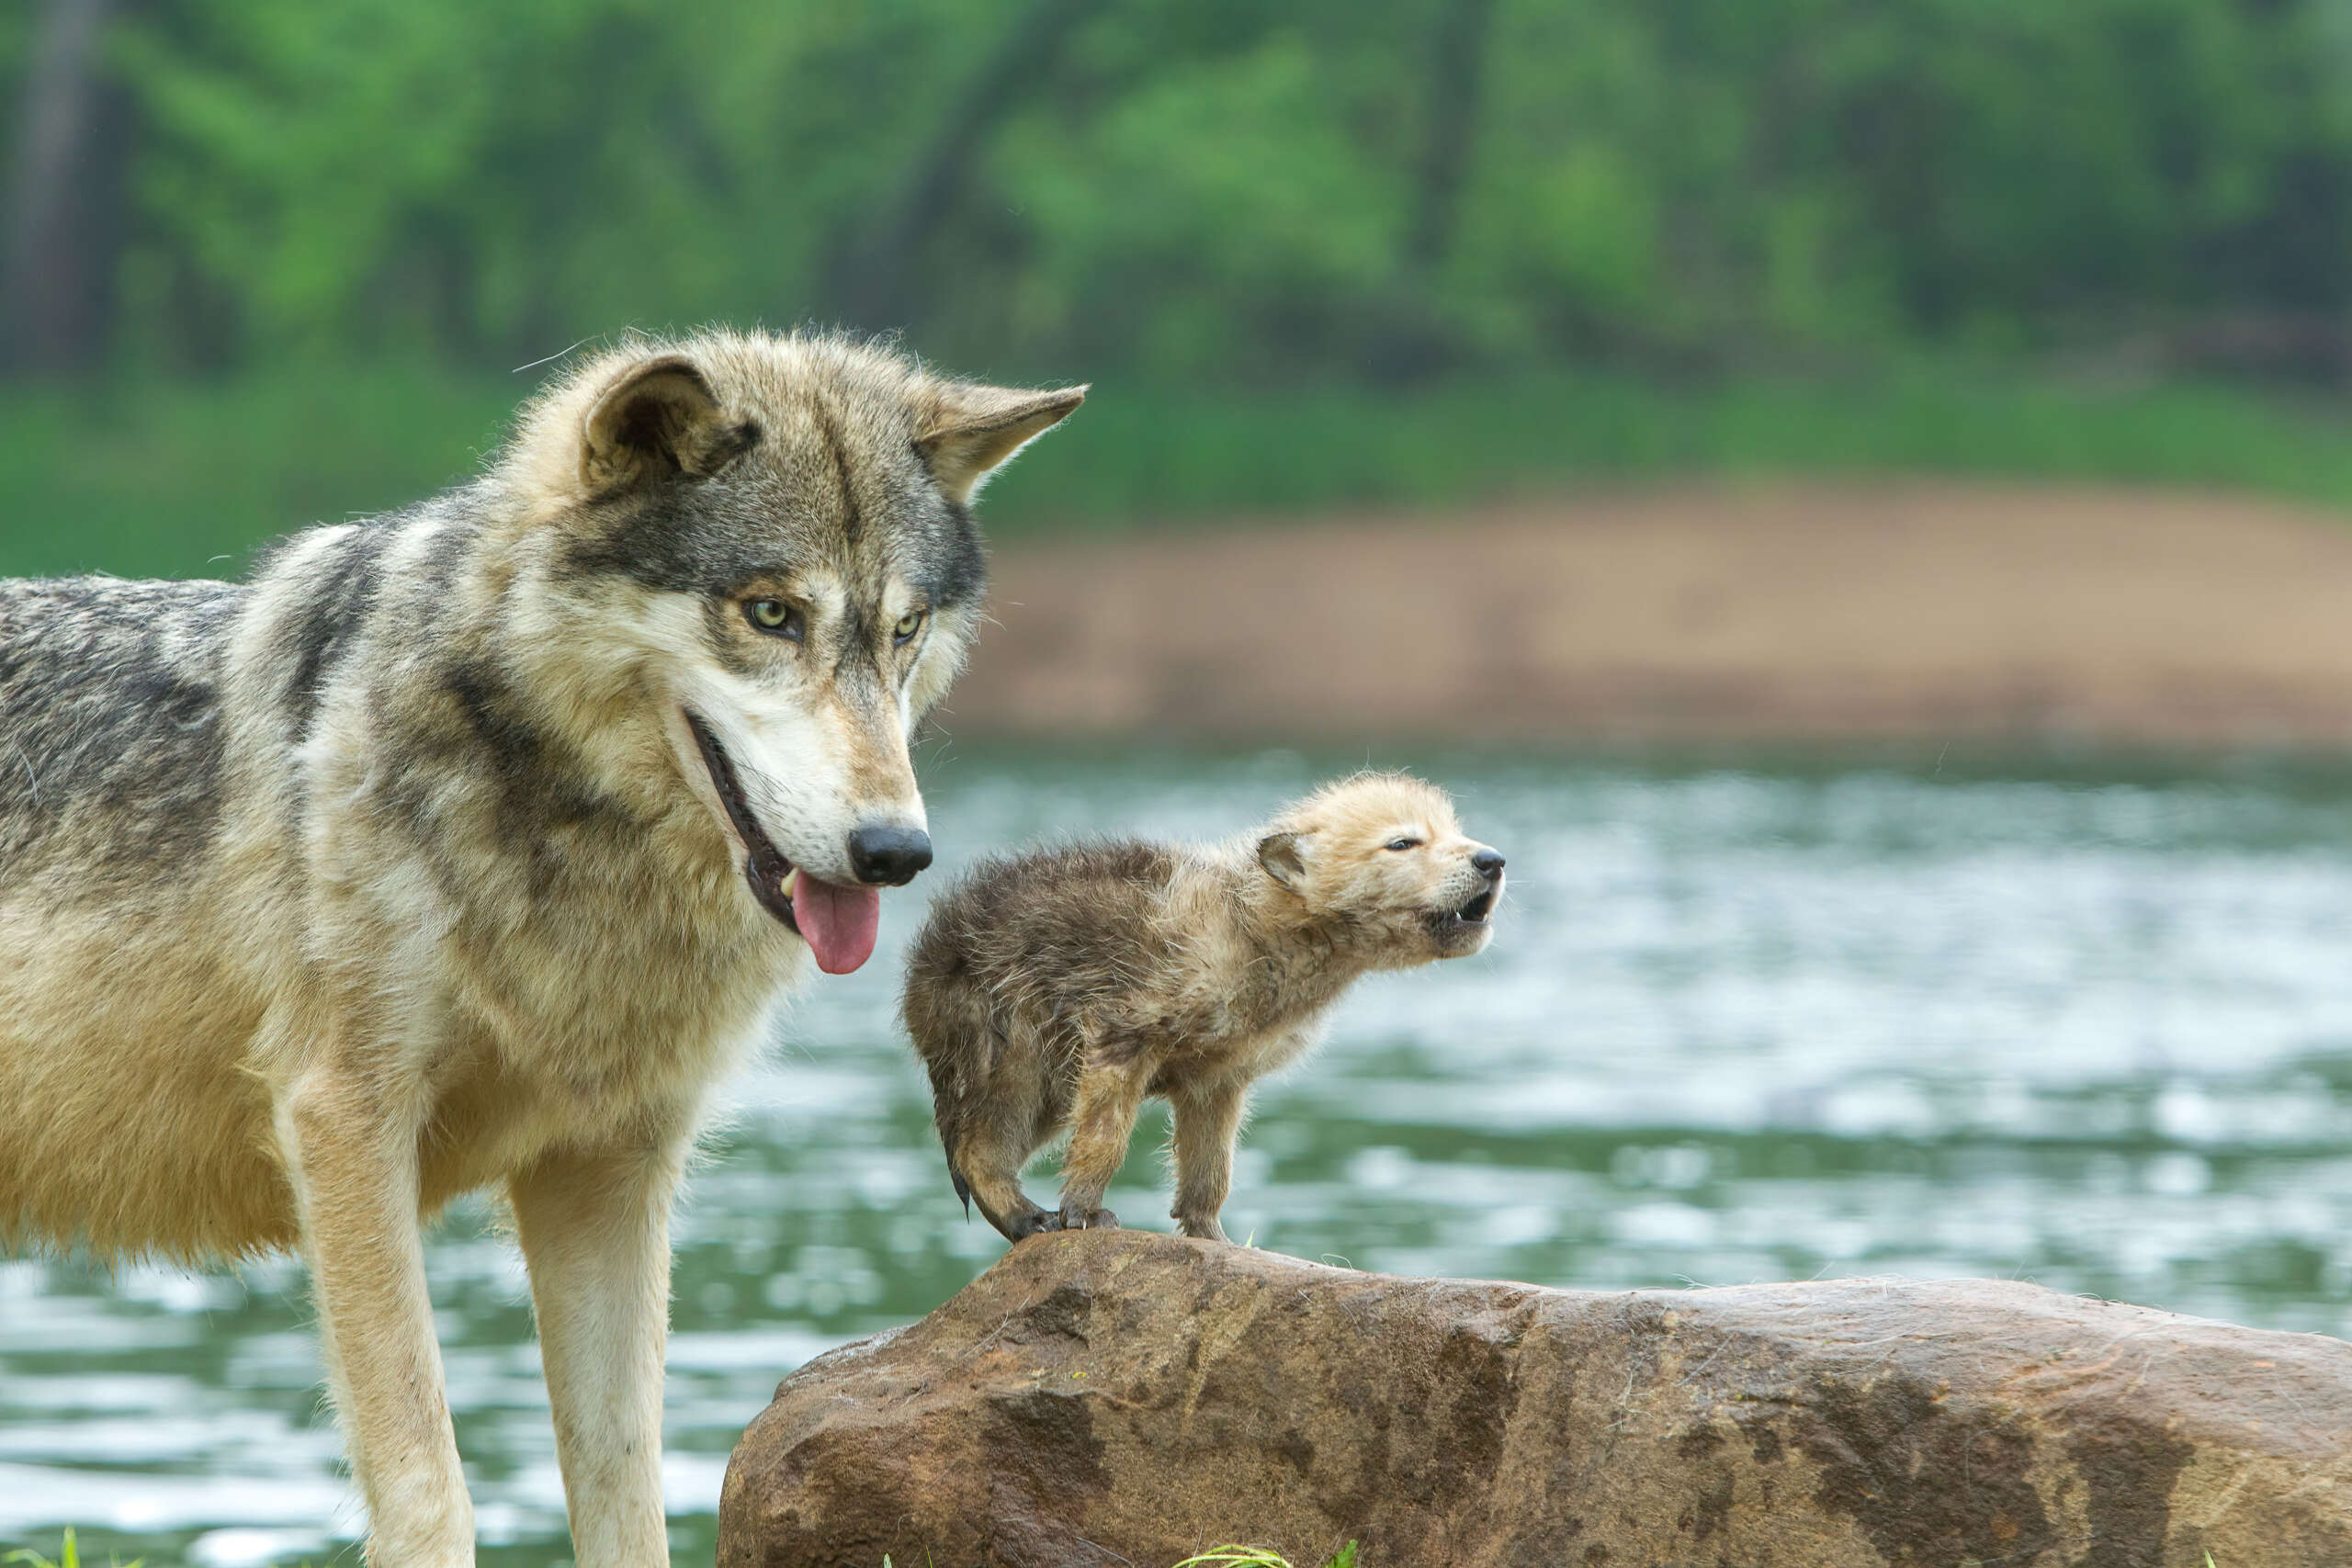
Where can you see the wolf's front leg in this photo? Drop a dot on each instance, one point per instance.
(596, 1232)
(350, 1150)
(1209, 1119)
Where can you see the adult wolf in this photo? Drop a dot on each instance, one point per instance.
(469, 846)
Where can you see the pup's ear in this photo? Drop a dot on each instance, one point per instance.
(972, 429)
(658, 417)
(1284, 861)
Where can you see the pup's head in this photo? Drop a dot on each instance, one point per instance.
(764, 544)
(1382, 855)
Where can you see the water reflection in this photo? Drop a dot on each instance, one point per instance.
(1739, 1024)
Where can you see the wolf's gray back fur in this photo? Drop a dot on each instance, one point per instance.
(109, 707)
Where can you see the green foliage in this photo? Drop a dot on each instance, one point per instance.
(1220, 190)
(1687, 236)
(163, 480)
(155, 479)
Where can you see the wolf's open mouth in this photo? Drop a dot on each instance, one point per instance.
(838, 923)
(764, 866)
(1477, 909)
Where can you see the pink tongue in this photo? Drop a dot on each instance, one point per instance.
(838, 923)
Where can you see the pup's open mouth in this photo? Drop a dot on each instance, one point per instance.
(1463, 917)
(838, 923)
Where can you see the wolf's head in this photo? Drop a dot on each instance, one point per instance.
(1380, 860)
(763, 545)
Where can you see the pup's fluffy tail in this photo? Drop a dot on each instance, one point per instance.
(943, 1116)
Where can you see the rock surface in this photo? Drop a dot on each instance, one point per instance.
(1123, 1397)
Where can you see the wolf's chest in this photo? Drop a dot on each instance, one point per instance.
(631, 989)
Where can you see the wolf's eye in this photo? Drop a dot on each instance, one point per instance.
(774, 617)
(1402, 845)
(908, 623)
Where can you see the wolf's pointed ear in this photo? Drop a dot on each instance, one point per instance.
(974, 429)
(658, 417)
(1280, 854)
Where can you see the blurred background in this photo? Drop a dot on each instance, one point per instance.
(1848, 493)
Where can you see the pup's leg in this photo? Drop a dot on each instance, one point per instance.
(350, 1149)
(1209, 1119)
(991, 1133)
(1102, 1124)
(989, 1164)
(596, 1232)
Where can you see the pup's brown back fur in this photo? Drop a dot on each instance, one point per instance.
(1058, 989)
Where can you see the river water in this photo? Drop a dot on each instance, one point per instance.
(2088, 1025)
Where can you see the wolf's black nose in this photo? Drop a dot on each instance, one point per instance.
(1487, 863)
(890, 856)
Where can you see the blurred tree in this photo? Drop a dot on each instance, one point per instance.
(1235, 190)
(62, 225)
(871, 280)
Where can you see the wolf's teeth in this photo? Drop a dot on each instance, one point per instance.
(791, 882)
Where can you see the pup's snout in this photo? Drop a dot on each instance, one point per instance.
(1487, 863)
(888, 856)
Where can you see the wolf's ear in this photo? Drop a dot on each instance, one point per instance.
(973, 429)
(658, 417)
(1280, 854)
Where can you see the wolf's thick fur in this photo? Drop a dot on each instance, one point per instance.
(399, 870)
(1059, 989)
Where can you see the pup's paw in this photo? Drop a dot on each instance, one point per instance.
(1035, 1222)
(1087, 1220)
(1203, 1230)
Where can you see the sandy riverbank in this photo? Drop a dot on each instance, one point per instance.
(1897, 610)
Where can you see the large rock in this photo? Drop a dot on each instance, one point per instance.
(1120, 1397)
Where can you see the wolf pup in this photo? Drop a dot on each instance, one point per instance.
(1058, 990)
(469, 846)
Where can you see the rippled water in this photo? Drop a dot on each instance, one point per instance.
(1740, 1023)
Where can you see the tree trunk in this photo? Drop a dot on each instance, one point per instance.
(1404, 340)
(1457, 63)
(871, 278)
(64, 223)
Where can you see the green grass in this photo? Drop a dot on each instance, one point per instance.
(69, 1555)
(1258, 1557)
(154, 478)
(1242, 1557)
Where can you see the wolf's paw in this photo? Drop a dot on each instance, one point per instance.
(1203, 1230)
(1087, 1220)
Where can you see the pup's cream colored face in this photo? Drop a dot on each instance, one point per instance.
(1387, 855)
